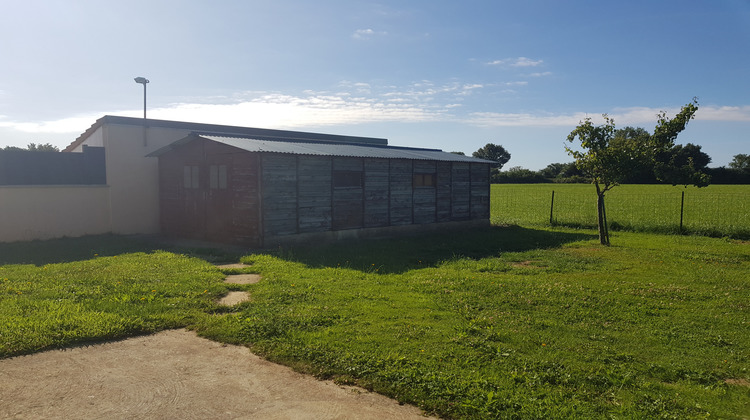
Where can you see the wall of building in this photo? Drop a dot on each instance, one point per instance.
(132, 177)
(300, 195)
(23, 167)
(193, 206)
(45, 212)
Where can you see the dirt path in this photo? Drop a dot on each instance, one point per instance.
(175, 375)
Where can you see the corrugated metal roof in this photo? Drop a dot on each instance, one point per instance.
(343, 150)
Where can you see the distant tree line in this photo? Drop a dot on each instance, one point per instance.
(33, 147)
(673, 167)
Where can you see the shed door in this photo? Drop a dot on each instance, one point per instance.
(194, 210)
(218, 219)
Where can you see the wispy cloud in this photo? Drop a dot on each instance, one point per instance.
(516, 62)
(358, 103)
(540, 74)
(499, 119)
(363, 34)
(640, 116)
(724, 113)
(64, 125)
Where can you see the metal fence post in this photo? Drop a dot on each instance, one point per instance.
(682, 209)
(551, 207)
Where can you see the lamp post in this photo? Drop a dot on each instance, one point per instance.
(143, 81)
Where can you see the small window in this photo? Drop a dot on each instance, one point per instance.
(217, 177)
(424, 180)
(191, 177)
(347, 179)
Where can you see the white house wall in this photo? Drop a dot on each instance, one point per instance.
(96, 139)
(132, 177)
(53, 211)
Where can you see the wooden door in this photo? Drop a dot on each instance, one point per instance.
(218, 217)
(194, 201)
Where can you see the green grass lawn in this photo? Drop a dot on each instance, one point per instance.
(508, 322)
(107, 289)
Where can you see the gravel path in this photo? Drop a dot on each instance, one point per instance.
(176, 375)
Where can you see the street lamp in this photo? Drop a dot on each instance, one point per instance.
(143, 81)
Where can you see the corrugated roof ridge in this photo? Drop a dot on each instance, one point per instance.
(401, 152)
(302, 140)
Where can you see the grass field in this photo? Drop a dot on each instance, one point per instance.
(717, 210)
(508, 322)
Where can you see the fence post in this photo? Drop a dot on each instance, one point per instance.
(551, 207)
(682, 209)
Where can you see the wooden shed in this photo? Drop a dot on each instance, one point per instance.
(260, 192)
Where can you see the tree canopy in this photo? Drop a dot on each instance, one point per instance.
(33, 147)
(740, 162)
(608, 156)
(493, 152)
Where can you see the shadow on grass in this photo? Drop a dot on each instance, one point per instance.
(397, 255)
(87, 247)
(392, 255)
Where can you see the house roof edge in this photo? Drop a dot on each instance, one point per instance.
(218, 129)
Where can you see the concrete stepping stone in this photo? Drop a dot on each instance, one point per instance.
(233, 298)
(242, 278)
(230, 266)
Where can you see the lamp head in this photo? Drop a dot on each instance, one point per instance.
(141, 80)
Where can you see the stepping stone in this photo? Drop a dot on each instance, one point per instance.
(233, 298)
(229, 266)
(242, 278)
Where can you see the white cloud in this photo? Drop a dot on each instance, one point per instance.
(516, 62)
(639, 116)
(357, 103)
(724, 113)
(362, 34)
(498, 119)
(540, 74)
(64, 125)
(526, 62)
(357, 86)
(287, 111)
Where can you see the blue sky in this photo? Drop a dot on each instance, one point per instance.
(452, 75)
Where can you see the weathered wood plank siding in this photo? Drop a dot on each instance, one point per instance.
(171, 206)
(279, 194)
(480, 192)
(182, 210)
(245, 183)
(424, 197)
(461, 191)
(443, 192)
(270, 195)
(348, 201)
(376, 193)
(314, 193)
(400, 183)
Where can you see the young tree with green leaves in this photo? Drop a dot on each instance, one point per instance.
(608, 158)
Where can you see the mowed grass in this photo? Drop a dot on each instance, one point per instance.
(531, 324)
(93, 297)
(717, 210)
(504, 322)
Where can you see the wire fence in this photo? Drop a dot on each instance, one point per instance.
(714, 214)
